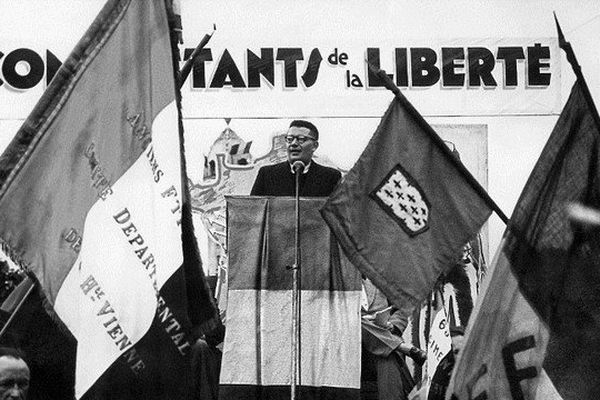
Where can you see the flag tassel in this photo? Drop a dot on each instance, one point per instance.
(434, 136)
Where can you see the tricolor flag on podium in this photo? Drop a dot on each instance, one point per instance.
(257, 349)
(92, 205)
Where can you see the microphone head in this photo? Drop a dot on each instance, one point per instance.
(298, 166)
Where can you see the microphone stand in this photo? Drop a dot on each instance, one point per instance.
(296, 296)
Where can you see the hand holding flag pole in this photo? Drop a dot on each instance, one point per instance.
(389, 84)
(187, 67)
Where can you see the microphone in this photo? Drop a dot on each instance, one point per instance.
(298, 166)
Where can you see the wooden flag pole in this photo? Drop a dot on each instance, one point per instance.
(387, 82)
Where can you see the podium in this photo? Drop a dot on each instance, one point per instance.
(256, 354)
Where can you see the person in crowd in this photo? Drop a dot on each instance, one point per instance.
(383, 349)
(279, 179)
(206, 364)
(14, 374)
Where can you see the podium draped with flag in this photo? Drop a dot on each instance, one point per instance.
(256, 354)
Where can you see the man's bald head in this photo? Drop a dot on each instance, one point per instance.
(14, 374)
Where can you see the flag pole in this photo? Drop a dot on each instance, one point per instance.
(17, 308)
(187, 67)
(568, 49)
(191, 254)
(387, 82)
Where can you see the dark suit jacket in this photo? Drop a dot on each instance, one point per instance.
(278, 180)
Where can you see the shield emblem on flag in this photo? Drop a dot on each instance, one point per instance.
(401, 197)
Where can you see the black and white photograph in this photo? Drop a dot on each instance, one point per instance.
(315, 200)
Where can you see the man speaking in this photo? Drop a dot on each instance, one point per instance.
(279, 179)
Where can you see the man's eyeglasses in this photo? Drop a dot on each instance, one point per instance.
(301, 139)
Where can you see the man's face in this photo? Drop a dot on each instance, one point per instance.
(297, 150)
(14, 379)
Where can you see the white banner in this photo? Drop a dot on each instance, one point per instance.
(470, 76)
(290, 60)
(239, 79)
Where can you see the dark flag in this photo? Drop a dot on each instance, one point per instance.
(558, 265)
(405, 210)
(548, 345)
(93, 207)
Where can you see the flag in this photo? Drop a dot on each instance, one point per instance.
(257, 349)
(439, 351)
(534, 334)
(404, 211)
(92, 205)
(439, 346)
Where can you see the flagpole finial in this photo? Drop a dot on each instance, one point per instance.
(561, 38)
(568, 49)
(187, 67)
(566, 46)
(385, 79)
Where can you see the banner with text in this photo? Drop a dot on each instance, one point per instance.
(248, 71)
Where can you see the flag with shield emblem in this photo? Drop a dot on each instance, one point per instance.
(407, 207)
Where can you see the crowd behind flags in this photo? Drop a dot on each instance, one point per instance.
(93, 207)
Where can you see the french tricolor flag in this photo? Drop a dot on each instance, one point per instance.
(257, 349)
(93, 207)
